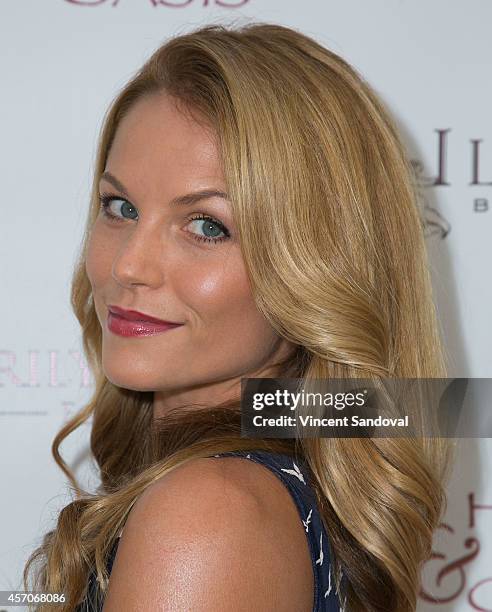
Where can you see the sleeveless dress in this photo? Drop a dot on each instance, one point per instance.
(294, 474)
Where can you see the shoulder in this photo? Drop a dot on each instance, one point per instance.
(213, 534)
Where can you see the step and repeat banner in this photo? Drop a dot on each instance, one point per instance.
(62, 61)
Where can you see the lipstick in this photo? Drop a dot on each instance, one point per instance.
(132, 323)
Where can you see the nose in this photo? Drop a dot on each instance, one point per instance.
(139, 259)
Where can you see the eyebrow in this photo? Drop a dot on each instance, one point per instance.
(186, 199)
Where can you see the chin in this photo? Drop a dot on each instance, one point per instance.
(129, 376)
(129, 383)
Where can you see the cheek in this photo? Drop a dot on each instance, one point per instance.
(223, 303)
(98, 265)
(99, 258)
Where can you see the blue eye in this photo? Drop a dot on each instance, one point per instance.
(211, 228)
(107, 199)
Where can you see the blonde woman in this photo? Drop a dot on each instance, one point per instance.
(253, 215)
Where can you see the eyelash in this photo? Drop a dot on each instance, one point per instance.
(106, 198)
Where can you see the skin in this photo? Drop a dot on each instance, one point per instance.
(214, 534)
(151, 261)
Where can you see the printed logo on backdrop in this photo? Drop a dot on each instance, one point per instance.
(434, 221)
(445, 576)
(168, 3)
(44, 370)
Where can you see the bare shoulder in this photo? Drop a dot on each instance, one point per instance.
(214, 534)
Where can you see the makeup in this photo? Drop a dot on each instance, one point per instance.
(131, 323)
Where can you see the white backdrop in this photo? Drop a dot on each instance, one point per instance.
(62, 61)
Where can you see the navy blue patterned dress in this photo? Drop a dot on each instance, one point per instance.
(295, 476)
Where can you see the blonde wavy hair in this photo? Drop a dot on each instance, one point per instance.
(325, 203)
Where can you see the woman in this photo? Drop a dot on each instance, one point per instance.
(302, 256)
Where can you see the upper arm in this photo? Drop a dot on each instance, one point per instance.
(200, 539)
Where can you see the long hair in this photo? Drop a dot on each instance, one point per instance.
(325, 203)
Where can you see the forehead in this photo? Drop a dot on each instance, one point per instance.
(158, 143)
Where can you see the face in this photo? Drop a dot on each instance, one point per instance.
(177, 260)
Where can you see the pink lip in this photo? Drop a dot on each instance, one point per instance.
(131, 323)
